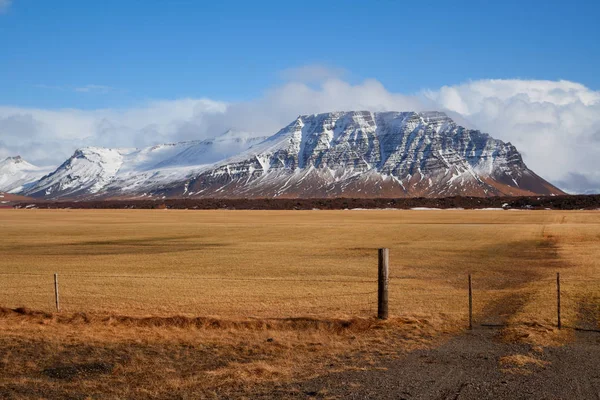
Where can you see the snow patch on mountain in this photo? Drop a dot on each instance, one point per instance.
(87, 170)
(92, 170)
(336, 154)
(372, 154)
(16, 174)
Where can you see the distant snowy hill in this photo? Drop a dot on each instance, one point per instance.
(91, 170)
(338, 154)
(17, 174)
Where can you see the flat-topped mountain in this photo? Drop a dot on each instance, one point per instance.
(364, 154)
(337, 154)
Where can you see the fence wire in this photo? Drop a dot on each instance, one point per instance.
(533, 301)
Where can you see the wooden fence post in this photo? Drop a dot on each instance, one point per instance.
(558, 300)
(470, 303)
(56, 292)
(383, 278)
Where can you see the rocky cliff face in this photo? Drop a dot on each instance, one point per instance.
(339, 154)
(364, 154)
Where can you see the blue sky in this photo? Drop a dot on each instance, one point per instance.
(115, 53)
(134, 73)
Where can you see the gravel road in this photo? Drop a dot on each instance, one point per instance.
(467, 367)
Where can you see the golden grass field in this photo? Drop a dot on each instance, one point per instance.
(254, 273)
(291, 263)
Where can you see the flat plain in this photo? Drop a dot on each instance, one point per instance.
(304, 280)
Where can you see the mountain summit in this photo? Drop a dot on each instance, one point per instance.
(337, 154)
(365, 154)
(16, 174)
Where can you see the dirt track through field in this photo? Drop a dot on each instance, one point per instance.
(498, 312)
(589, 315)
(481, 364)
(542, 253)
(475, 366)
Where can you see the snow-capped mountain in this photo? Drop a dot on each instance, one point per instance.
(91, 170)
(17, 174)
(365, 154)
(338, 154)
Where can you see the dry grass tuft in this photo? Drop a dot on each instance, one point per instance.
(335, 326)
(522, 360)
(537, 335)
(69, 355)
(521, 364)
(252, 372)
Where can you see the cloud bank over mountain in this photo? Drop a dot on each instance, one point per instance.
(555, 124)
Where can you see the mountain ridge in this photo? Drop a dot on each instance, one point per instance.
(89, 170)
(393, 154)
(336, 154)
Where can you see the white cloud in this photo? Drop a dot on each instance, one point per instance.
(556, 125)
(5, 5)
(279, 106)
(49, 136)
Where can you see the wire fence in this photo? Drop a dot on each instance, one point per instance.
(575, 305)
(184, 294)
